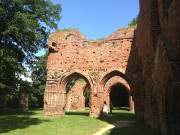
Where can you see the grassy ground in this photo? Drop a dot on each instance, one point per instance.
(34, 123)
(74, 123)
(139, 128)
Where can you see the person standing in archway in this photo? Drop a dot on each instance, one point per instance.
(105, 109)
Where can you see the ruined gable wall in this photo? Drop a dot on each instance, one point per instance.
(70, 52)
(73, 51)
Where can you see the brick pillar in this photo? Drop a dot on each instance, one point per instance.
(96, 100)
(54, 103)
(54, 100)
(23, 102)
(106, 98)
(131, 103)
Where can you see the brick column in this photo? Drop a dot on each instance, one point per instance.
(54, 100)
(96, 99)
(131, 103)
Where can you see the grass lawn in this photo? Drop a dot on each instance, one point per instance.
(74, 123)
(137, 129)
(34, 123)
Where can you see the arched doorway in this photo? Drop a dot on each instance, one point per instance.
(116, 87)
(119, 96)
(77, 87)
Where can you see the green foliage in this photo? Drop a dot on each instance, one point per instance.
(39, 80)
(133, 22)
(12, 99)
(24, 29)
(25, 24)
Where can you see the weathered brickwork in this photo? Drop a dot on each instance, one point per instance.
(71, 55)
(75, 98)
(158, 43)
(149, 69)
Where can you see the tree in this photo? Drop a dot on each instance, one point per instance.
(39, 81)
(24, 28)
(133, 22)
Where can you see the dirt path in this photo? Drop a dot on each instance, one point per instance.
(118, 124)
(102, 130)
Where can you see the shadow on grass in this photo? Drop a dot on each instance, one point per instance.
(138, 128)
(12, 120)
(118, 115)
(121, 108)
(78, 113)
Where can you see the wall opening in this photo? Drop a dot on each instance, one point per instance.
(119, 96)
(77, 89)
(118, 92)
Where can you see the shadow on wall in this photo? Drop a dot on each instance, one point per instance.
(134, 73)
(12, 120)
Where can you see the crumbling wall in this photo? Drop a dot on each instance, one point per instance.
(158, 60)
(70, 52)
(75, 98)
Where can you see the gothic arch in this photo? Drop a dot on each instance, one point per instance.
(114, 77)
(113, 73)
(73, 98)
(68, 75)
(117, 80)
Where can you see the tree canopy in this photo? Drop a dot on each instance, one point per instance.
(24, 28)
(38, 81)
(133, 22)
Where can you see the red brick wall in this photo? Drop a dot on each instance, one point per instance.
(71, 55)
(158, 44)
(75, 97)
(112, 52)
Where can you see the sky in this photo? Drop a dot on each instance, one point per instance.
(97, 18)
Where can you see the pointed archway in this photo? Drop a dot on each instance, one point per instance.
(74, 85)
(111, 79)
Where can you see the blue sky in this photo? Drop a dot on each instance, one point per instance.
(97, 18)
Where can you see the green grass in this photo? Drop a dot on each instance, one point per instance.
(74, 123)
(34, 123)
(139, 128)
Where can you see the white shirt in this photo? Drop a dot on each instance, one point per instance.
(105, 109)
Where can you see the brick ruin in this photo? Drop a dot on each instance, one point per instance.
(75, 98)
(146, 61)
(157, 40)
(100, 63)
